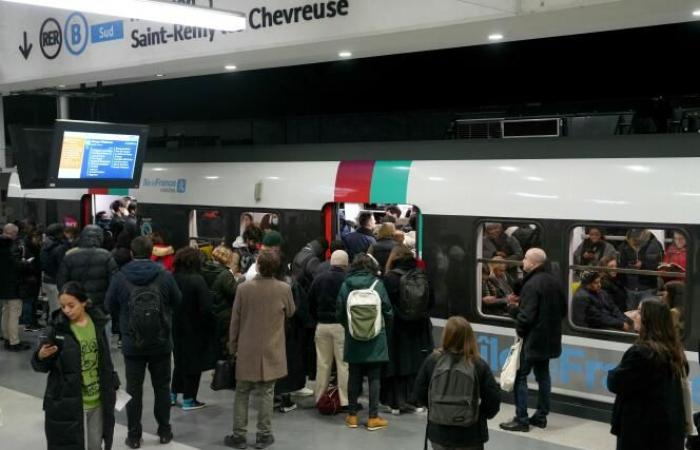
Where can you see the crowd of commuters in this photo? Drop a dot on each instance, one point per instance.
(338, 313)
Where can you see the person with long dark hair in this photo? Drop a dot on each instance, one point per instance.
(459, 347)
(192, 329)
(81, 386)
(648, 413)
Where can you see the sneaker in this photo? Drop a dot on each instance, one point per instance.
(133, 442)
(173, 400)
(285, 408)
(419, 410)
(377, 423)
(20, 347)
(264, 441)
(191, 405)
(32, 328)
(234, 441)
(515, 425)
(351, 421)
(395, 412)
(165, 438)
(303, 392)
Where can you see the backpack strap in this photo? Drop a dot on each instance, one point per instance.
(374, 284)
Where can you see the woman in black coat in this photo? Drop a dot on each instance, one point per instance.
(648, 413)
(193, 329)
(459, 344)
(410, 341)
(61, 357)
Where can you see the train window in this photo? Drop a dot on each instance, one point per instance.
(612, 269)
(264, 220)
(500, 250)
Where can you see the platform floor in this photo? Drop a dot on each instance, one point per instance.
(21, 391)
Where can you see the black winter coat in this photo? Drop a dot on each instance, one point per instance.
(63, 400)
(194, 325)
(490, 396)
(11, 263)
(296, 329)
(30, 275)
(52, 253)
(648, 413)
(381, 250)
(88, 264)
(410, 342)
(650, 253)
(358, 241)
(616, 291)
(323, 295)
(141, 272)
(597, 310)
(539, 314)
(306, 262)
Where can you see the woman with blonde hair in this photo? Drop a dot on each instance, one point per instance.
(385, 243)
(459, 348)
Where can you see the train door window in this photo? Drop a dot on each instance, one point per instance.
(613, 268)
(501, 246)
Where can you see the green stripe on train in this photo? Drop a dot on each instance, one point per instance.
(389, 182)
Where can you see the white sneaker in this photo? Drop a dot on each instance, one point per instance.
(303, 392)
(395, 412)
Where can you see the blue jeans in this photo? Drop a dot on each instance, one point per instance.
(27, 317)
(544, 383)
(635, 297)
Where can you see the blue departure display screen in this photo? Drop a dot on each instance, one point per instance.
(97, 156)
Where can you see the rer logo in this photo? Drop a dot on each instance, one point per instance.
(50, 38)
(181, 185)
(77, 33)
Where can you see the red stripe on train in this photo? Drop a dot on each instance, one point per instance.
(353, 181)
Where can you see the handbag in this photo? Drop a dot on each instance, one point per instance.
(688, 407)
(511, 366)
(224, 375)
(329, 403)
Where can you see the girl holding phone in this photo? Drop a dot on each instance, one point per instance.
(82, 384)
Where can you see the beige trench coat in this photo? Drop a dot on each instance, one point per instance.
(257, 329)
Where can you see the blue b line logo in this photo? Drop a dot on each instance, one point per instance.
(76, 33)
(181, 185)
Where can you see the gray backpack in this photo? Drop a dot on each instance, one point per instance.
(453, 396)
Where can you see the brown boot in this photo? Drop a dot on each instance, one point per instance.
(377, 423)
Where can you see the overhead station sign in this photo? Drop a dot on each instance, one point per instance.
(44, 47)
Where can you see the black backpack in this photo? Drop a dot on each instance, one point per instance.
(148, 323)
(453, 396)
(414, 295)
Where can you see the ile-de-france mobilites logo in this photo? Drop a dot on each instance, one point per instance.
(174, 186)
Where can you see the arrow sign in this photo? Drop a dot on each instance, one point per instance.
(27, 49)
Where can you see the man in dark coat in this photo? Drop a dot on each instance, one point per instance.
(10, 300)
(360, 240)
(142, 273)
(52, 252)
(307, 261)
(541, 308)
(63, 401)
(88, 264)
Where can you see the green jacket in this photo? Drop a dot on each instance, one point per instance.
(361, 352)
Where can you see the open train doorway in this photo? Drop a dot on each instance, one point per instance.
(387, 221)
(115, 214)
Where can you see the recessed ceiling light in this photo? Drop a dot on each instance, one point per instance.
(160, 75)
(495, 37)
(230, 67)
(345, 54)
(696, 13)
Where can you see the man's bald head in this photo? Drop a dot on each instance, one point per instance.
(10, 230)
(534, 258)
